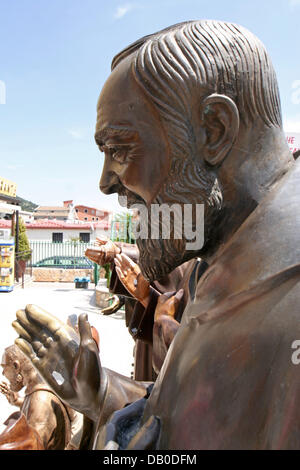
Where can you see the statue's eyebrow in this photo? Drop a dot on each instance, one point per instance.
(118, 132)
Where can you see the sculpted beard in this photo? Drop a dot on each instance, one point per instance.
(188, 184)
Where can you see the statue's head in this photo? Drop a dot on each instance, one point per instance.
(170, 114)
(16, 367)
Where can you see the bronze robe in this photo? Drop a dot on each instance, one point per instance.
(228, 381)
(139, 319)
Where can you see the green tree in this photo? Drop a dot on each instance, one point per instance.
(122, 228)
(24, 245)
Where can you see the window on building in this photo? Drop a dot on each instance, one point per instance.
(84, 237)
(57, 237)
(86, 211)
(85, 218)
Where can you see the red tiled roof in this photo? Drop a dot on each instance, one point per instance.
(5, 223)
(56, 224)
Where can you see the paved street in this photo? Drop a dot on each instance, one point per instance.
(62, 299)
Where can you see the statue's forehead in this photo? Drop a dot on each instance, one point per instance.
(123, 103)
(4, 360)
(119, 81)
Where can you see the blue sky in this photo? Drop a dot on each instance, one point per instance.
(55, 56)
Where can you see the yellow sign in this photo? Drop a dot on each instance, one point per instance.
(8, 187)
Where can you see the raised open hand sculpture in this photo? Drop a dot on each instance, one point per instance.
(132, 278)
(104, 252)
(12, 397)
(68, 362)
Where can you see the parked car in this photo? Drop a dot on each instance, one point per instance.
(65, 262)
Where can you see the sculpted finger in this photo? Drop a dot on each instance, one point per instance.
(48, 342)
(29, 326)
(118, 260)
(92, 254)
(164, 297)
(21, 331)
(39, 348)
(27, 350)
(43, 318)
(102, 258)
(179, 295)
(4, 388)
(29, 331)
(88, 252)
(120, 273)
(175, 302)
(127, 262)
(84, 329)
(122, 259)
(101, 241)
(53, 326)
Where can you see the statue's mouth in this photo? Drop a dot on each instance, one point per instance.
(128, 198)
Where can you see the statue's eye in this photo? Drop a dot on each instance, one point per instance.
(118, 153)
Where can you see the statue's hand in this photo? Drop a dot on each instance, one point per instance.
(104, 253)
(167, 305)
(68, 362)
(123, 424)
(12, 397)
(132, 278)
(165, 326)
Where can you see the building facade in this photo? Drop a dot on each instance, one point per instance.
(92, 214)
(65, 213)
(58, 231)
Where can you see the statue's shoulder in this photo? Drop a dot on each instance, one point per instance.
(263, 252)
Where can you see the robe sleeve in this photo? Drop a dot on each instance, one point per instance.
(142, 321)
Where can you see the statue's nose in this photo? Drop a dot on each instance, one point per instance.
(109, 181)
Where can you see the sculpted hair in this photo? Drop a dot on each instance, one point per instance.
(15, 354)
(179, 64)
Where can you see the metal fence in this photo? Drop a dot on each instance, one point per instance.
(42, 250)
(122, 228)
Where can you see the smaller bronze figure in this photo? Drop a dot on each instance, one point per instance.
(43, 412)
(19, 435)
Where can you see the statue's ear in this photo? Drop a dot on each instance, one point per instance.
(16, 365)
(220, 120)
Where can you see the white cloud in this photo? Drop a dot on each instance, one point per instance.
(76, 133)
(294, 3)
(122, 10)
(14, 167)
